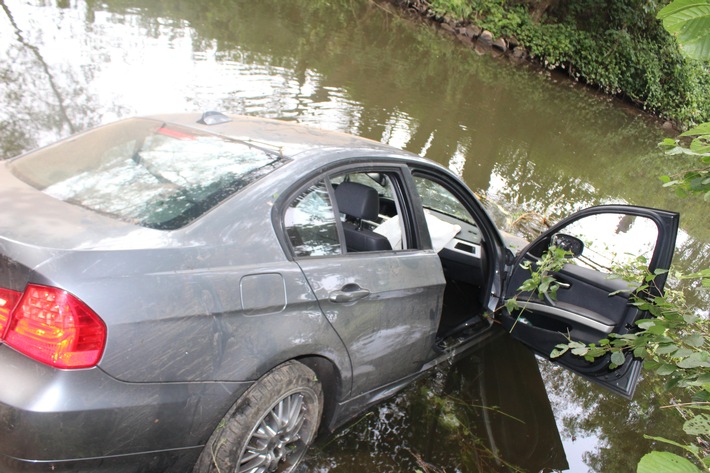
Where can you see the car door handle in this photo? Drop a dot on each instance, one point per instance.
(348, 293)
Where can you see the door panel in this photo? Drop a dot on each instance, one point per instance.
(584, 303)
(385, 307)
(593, 300)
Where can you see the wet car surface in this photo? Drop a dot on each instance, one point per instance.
(216, 290)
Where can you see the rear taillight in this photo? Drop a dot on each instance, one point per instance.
(54, 327)
(8, 299)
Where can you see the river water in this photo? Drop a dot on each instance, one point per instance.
(533, 147)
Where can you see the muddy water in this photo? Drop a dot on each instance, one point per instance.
(534, 147)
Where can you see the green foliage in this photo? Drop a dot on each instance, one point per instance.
(541, 283)
(695, 178)
(455, 8)
(689, 21)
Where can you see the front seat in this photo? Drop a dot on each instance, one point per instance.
(360, 202)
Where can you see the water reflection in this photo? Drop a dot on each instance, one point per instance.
(603, 432)
(533, 148)
(487, 412)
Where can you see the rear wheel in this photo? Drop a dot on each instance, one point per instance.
(270, 427)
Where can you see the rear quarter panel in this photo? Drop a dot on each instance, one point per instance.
(215, 301)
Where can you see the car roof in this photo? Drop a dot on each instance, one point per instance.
(81, 228)
(286, 138)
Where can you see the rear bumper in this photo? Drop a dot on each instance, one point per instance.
(85, 420)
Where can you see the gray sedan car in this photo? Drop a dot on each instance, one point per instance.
(211, 292)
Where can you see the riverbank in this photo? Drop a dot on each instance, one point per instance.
(624, 53)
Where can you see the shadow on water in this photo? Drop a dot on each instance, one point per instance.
(527, 144)
(488, 411)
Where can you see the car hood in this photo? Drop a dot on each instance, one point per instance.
(34, 220)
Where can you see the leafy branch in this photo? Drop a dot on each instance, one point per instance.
(541, 283)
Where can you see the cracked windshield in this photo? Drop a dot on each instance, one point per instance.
(534, 143)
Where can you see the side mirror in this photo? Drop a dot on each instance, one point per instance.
(568, 243)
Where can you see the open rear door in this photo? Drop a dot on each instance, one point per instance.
(592, 301)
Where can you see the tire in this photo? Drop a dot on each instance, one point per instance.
(270, 427)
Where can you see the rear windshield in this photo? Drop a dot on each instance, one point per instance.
(145, 171)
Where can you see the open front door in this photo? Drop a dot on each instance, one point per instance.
(592, 301)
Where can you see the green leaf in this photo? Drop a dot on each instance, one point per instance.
(703, 273)
(640, 352)
(665, 369)
(559, 350)
(595, 352)
(689, 22)
(618, 358)
(702, 396)
(656, 330)
(666, 349)
(699, 424)
(703, 128)
(683, 353)
(511, 305)
(694, 340)
(696, 360)
(690, 448)
(580, 351)
(665, 462)
(646, 324)
(698, 145)
(529, 285)
(704, 379)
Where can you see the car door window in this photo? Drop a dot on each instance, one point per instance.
(437, 198)
(449, 223)
(311, 224)
(613, 242)
(351, 212)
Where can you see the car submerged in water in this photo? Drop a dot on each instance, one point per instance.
(211, 291)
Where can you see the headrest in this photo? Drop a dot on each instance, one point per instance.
(357, 200)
